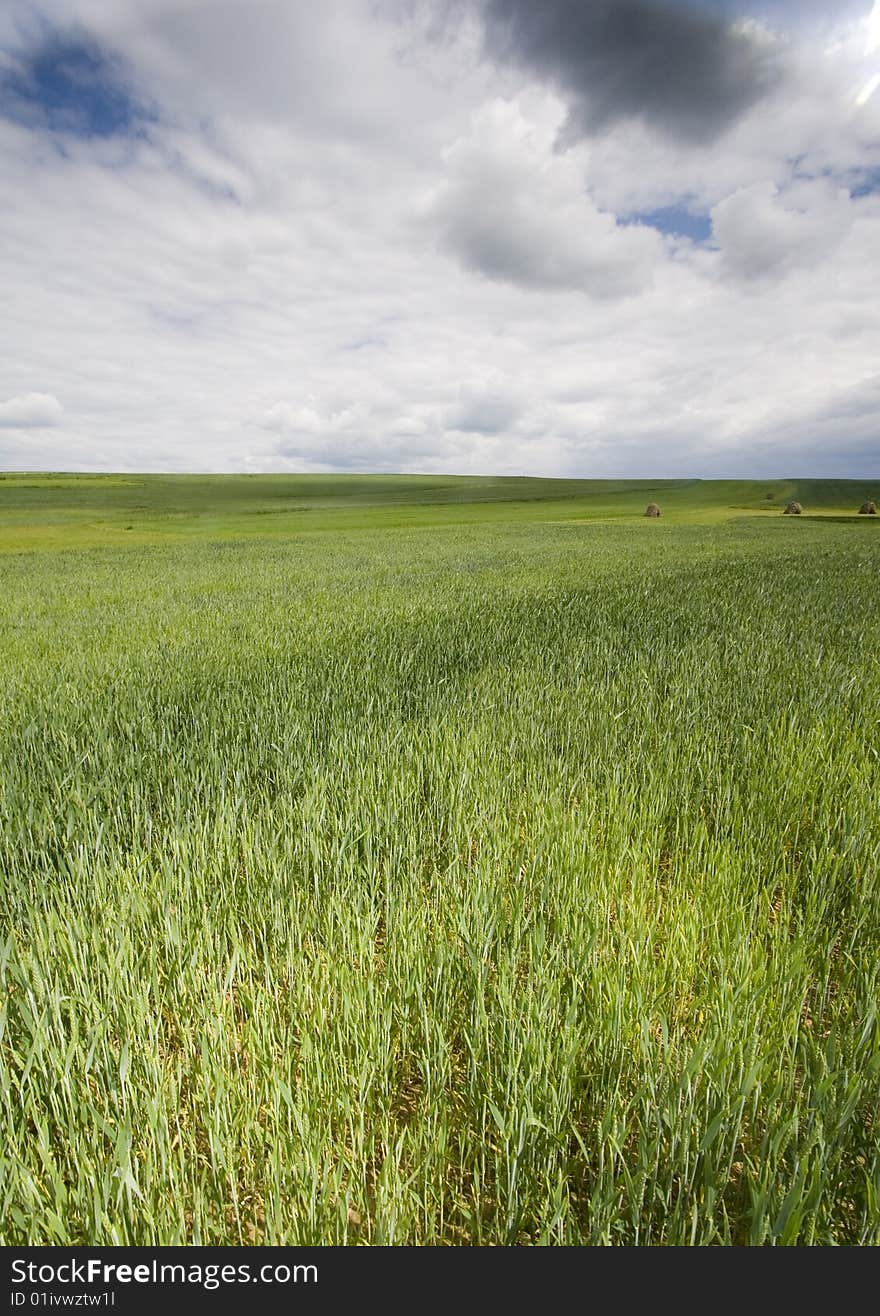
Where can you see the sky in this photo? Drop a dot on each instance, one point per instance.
(595, 238)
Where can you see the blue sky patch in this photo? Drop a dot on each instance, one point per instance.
(676, 222)
(865, 183)
(70, 84)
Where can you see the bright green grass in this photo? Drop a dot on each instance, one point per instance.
(380, 864)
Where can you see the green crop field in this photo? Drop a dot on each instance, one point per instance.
(428, 860)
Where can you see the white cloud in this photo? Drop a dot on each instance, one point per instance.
(30, 411)
(486, 409)
(511, 208)
(282, 418)
(762, 233)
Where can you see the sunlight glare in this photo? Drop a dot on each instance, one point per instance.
(872, 43)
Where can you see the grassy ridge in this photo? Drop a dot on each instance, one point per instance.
(50, 512)
(497, 880)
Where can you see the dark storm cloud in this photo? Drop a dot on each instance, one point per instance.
(682, 70)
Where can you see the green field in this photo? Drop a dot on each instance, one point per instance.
(430, 860)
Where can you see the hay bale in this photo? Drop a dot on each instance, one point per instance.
(793, 509)
(868, 509)
(652, 510)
